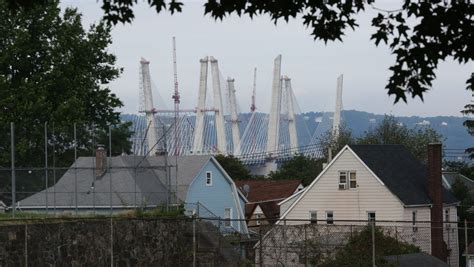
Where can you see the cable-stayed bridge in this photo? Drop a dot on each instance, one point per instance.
(218, 126)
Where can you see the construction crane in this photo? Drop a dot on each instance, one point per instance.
(176, 100)
(253, 107)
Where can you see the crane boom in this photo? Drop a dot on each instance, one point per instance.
(253, 107)
(176, 98)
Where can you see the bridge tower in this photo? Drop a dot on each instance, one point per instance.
(146, 106)
(218, 107)
(336, 123)
(274, 116)
(198, 143)
(200, 109)
(291, 116)
(234, 117)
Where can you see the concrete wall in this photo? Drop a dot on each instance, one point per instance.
(88, 243)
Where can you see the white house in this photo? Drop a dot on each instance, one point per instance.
(384, 183)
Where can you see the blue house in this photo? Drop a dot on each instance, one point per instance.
(213, 188)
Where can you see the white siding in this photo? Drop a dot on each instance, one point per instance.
(288, 202)
(450, 233)
(422, 236)
(352, 204)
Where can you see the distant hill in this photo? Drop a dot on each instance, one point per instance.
(455, 134)
(451, 127)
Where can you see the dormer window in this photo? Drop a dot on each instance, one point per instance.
(347, 180)
(208, 178)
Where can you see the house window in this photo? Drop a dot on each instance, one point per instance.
(258, 217)
(313, 217)
(208, 178)
(446, 218)
(413, 219)
(342, 181)
(347, 179)
(329, 217)
(227, 217)
(352, 179)
(371, 217)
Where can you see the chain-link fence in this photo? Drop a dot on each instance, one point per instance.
(189, 240)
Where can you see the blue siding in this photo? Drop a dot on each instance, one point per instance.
(216, 197)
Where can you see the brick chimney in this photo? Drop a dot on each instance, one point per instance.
(435, 192)
(100, 161)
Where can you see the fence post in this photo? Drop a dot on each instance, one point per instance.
(396, 238)
(111, 242)
(46, 162)
(466, 243)
(305, 246)
(373, 244)
(194, 240)
(12, 136)
(26, 244)
(197, 209)
(286, 242)
(260, 251)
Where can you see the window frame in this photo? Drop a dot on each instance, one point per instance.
(209, 178)
(347, 184)
(344, 184)
(414, 215)
(311, 219)
(329, 221)
(257, 219)
(446, 218)
(369, 220)
(352, 180)
(228, 220)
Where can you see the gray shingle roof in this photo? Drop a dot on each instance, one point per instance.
(144, 185)
(451, 177)
(400, 172)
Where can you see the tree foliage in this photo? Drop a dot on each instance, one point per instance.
(329, 140)
(461, 167)
(390, 131)
(54, 71)
(54, 75)
(234, 167)
(420, 33)
(358, 250)
(469, 123)
(299, 167)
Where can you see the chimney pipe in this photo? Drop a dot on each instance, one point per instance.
(435, 192)
(100, 161)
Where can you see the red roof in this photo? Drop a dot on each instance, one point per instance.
(265, 190)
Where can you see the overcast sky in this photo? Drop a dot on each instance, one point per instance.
(240, 44)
